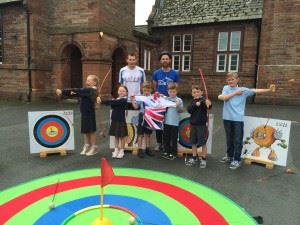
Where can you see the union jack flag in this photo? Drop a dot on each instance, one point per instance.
(154, 117)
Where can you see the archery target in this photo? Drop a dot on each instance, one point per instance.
(50, 130)
(151, 197)
(184, 132)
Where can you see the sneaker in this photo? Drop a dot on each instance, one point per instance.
(85, 149)
(93, 150)
(165, 155)
(192, 162)
(115, 153)
(202, 164)
(226, 159)
(158, 147)
(171, 157)
(149, 152)
(234, 165)
(141, 153)
(120, 154)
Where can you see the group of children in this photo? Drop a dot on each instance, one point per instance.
(234, 98)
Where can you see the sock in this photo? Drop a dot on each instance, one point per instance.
(194, 157)
(203, 158)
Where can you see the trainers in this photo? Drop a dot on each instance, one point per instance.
(141, 153)
(93, 150)
(171, 157)
(192, 162)
(226, 159)
(158, 147)
(234, 165)
(120, 154)
(115, 153)
(165, 155)
(149, 152)
(85, 149)
(202, 164)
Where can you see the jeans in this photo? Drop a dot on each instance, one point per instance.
(234, 137)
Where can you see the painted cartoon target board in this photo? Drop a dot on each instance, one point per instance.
(151, 197)
(184, 145)
(132, 119)
(266, 140)
(49, 130)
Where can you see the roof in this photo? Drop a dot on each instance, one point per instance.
(185, 12)
(142, 31)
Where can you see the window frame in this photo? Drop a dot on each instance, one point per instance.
(183, 42)
(173, 42)
(183, 61)
(173, 62)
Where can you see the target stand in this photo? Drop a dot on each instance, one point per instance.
(51, 132)
(45, 152)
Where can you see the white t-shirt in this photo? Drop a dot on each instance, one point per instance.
(132, 79)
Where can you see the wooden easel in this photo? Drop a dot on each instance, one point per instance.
(45, 152)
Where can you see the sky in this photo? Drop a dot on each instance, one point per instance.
(142, 11)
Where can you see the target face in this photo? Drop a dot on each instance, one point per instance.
(151, 197)
(51, 130)
(184, 133)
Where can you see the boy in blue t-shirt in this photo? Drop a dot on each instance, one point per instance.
(234, 98)
(161, 79)
(171, 124)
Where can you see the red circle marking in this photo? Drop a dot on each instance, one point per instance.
(202, 210)
(48, 138)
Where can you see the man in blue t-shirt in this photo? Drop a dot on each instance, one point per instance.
(161, 78)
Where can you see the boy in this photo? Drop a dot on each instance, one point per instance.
(234, 98)
(171, 123)
(142, 130)
(198, 131)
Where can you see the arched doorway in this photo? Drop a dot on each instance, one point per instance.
(118, 61)
(72, 68)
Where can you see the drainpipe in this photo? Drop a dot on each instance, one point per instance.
(258, 25)
(28, 54)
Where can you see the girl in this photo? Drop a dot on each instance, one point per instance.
(118, 127)
(87, 108)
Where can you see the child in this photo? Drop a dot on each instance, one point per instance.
(198, 131)
(142, 130)
(234, 98)
(118, 126)
(87, 109)
(171, 124)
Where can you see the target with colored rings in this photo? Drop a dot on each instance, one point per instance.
(184, 133)
(152, 197)
(51, 131)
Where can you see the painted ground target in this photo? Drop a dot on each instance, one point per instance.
(151, 197)
(51, 130)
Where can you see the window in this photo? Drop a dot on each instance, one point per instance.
(228, 48)
(147, 58)
(176, 62)
(182, 48)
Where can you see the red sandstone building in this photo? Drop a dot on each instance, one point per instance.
(51, 43)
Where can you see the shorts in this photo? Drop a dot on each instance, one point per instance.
(198, 135)
(141, 129)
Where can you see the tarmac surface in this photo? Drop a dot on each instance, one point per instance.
(272, 194)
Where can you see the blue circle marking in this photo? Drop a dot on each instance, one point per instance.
(143, 209)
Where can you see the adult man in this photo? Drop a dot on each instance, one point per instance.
(161, 78)
(132, 76)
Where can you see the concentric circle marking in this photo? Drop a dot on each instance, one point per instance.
(192, 196)
(51, 131)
